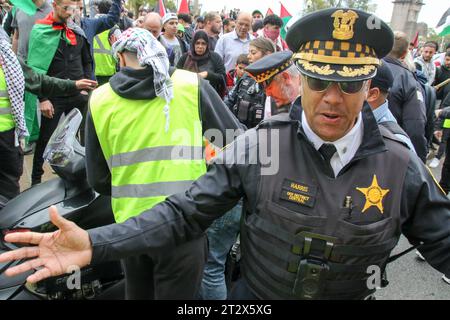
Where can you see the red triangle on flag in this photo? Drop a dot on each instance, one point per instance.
(184, 7)
(415, 41)
(161, 8)
(269, 12)
(283, 12)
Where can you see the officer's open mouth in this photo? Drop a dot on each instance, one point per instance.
(330, 116)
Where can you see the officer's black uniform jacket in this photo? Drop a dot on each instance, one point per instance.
(414, 204)
(408, 110)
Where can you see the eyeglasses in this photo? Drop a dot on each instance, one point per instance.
(347, 87)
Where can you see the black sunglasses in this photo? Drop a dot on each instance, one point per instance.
(347, 87)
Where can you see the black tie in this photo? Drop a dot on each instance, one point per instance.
(327, 150)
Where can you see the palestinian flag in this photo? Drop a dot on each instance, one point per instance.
(443, 25)
(285, 16)
(26, 6)
(43, 43)
(269, 12)
(184, 7)
(160, 8)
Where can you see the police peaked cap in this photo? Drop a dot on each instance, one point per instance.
(339, 44)
(270, 65)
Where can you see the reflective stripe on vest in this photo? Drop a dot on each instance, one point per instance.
(105, 64)
(156, 154)
(147, 163)
(6, 119)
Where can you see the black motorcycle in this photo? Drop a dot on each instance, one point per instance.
(76, 201)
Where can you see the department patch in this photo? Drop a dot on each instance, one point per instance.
(297, 198)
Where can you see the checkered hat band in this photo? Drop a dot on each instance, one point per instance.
(271, 72)
(340, 49)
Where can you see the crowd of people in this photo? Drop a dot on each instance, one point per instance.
(233, 72)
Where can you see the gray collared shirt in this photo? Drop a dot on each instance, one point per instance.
(229, 47)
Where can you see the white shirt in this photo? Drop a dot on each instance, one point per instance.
(346, 146)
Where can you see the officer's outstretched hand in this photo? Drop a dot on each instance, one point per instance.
(56, 253)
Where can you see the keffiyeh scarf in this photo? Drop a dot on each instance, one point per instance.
(15, 84)
(151, 53)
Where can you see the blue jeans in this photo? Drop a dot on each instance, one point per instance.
(221, 236)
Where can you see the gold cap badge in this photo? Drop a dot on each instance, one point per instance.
(374, 195)
(343, 24)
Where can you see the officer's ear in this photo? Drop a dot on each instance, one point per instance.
(373, 94)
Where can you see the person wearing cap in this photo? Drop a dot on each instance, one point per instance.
(257, 15)
(280, 79)
(377, 99)
(247, 99)
(319, 223)
(174, 45)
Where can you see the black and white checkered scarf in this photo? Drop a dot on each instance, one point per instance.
(149, 52)
(15, 84)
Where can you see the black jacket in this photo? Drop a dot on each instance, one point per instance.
(138, 85)
(71, 62)
(424, 209)
(406, 102)
(443, 93)
(215, 68)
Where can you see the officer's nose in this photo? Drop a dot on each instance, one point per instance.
(333, 95)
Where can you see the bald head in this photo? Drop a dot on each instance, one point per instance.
(243, 24)
(153, 23)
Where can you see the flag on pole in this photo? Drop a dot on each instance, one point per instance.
(160, 8)
(26, 6)
(443, 26)
(285, 16)
(269, 12)
(184, 7)
(415, 40)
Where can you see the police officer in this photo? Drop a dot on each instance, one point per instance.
(334, 207)
(247, 99)
(280, 79)
(377, 99)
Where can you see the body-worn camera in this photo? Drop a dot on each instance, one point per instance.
(310, 281)
(313, 268)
